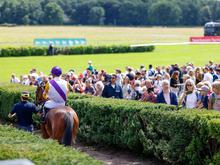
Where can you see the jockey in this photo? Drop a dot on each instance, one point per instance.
(56, 90)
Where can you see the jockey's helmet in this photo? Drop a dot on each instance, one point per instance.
(57, 71)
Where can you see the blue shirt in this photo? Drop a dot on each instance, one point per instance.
(24, 111)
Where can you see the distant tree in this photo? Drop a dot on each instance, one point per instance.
(8, 12)
(190, 12)
(80, 15)
(132, 13)
(36, 13)
(96, 16)
(165, 13)
(214, 6)
(206, 15)
(53, 14)
(111, 8)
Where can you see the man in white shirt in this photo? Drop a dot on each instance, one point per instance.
(207, 75)
(14, 79)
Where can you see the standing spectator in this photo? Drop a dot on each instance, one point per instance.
(174, 82)
(151, 71)
(90, 67)
(50, 49)
(214, 99)
(158, 84)
(119, 78)
(143, 74)
(198, 75)
(126, 87)
(79, 85)
(159, 71)
(166, 96)
(89, 89)
(203, 100)
(148, 95)
(190, 96)
(25, 80)
(33, 81)
(99, 86)
(24, 111)
(166, 76)
(14, 79)
(207, 75)
(216, 76)
(192, 75)
(112, 90)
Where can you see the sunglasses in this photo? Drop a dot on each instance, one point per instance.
(189, 85)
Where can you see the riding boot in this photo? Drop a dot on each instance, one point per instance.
(43, 116)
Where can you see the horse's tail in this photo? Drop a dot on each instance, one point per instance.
(67, 136)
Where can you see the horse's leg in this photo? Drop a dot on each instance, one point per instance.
(45, 134)
(58, 127)
(75, 127)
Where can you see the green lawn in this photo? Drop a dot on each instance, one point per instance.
(163, 55)
(15, 36)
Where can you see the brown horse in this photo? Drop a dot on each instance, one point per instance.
(61, 123)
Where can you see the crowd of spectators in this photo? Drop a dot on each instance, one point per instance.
(187, 86)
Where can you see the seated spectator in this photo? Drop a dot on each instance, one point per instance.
(190, 96)
(14, 79)
(214, 99)
(166, 96)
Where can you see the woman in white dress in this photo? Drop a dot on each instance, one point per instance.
(189, 98)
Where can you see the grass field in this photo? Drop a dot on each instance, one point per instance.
(24, 35)
(163, 55)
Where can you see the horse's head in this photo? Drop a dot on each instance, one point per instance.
(39, 99)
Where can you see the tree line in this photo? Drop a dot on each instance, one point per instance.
(109, 12)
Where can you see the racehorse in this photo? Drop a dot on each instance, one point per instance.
(61, 123)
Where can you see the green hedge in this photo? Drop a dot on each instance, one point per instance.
(174, 136)
(19, 144)
(41, 51)
(177, 137)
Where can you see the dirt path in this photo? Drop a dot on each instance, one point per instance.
(114, 156)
